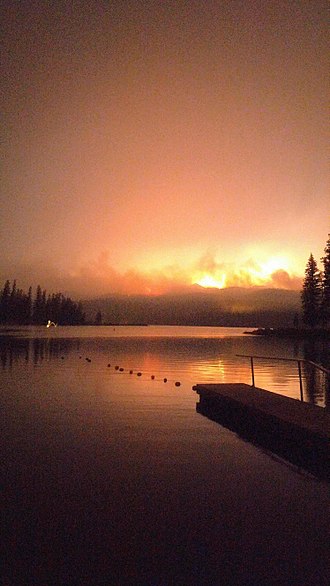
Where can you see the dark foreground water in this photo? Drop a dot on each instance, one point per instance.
(113, 478)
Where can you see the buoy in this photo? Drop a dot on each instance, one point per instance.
(165, 380)
(62, 357)
(152, 376)
(116, 367)
(139, 374)
(131, 371)
(177, 384)
(109, 365)
(121, 370)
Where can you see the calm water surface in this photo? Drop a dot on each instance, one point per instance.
(114, 478)
(188, 354)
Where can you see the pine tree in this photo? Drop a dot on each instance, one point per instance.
(12, 303)
(37, 313)
(311, 293)
(325, 300)
(27, 311)
(98, 318)
(5, 302)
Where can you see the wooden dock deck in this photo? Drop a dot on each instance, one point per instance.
(297, 431)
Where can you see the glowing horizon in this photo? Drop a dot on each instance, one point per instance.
(99, 277)
(208, 281)
(147, 150)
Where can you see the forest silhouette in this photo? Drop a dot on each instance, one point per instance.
(19, 307)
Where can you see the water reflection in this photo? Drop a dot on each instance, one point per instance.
(15, 350)
(317, 386)
(190, 360)
(317, 350)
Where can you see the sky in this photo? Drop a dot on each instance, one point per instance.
(151, 145)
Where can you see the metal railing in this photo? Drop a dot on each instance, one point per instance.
(299, 361)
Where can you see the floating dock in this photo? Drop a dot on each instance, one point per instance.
(296, 431)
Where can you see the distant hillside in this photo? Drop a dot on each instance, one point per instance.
(235, 306)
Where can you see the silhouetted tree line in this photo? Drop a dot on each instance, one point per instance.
(315, 295)
(18, 307)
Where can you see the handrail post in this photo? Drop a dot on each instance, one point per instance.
(252, 370)
(300, 381)
(326, 371)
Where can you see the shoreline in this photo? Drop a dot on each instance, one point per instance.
(301, 333)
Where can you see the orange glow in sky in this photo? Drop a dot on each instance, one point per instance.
(147, 147)
(210, 281)
(252, 274)
(273, 272)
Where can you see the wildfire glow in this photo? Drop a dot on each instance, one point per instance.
(261, 273)
(251, 273)
(210, 281)
(272, 265)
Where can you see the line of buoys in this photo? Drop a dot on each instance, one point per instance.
(121, 369)
(165, 380)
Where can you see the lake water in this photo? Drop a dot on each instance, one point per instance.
(186, 354)
(113, 478)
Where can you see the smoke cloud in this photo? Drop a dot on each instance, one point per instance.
(98, 277)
